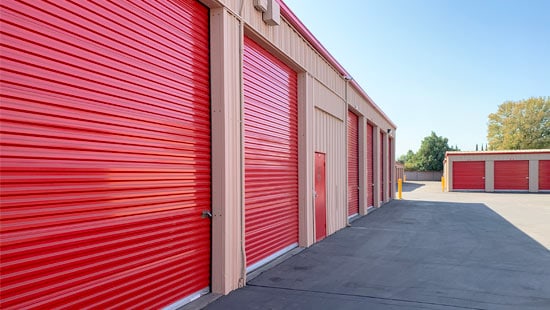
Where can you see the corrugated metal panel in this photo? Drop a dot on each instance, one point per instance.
(511, 175)
(370, 165)
(382, 172)
(271, 153)
(544, 175)
(105, 154)
(225, 34)
(390, 165)
(325, 99)
(353, 164)
(468, 175)
(330, 138)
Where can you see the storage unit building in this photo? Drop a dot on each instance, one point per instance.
(491, 171)
(153, 152)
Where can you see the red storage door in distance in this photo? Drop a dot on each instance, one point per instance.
(105, 154)
(353, 164)
(469, 175)
(271, 155)
(381, 160)
(512, 175)
(390, 168)
(544, 175)
(370, 165)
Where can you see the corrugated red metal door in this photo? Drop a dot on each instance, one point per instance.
(105, 154)
(389, 169)
(544, 175)
(381, 159)
(271, 155)
(320, 197)
(353, 164)
(511, 175)
(468, 175)
(370, 165)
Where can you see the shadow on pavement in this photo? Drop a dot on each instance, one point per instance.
(409, 187)
(409, 255)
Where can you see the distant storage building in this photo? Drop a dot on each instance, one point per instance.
(493, 171)
(153, 152)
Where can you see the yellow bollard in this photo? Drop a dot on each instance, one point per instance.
(404, 177)
(442, 183)
(399, 188)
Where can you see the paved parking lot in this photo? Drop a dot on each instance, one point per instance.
(432, 250)
(528, 212)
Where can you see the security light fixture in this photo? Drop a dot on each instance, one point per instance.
(260, 5)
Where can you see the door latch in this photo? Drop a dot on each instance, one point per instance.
(206, 214)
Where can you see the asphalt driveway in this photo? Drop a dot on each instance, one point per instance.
(432, 250)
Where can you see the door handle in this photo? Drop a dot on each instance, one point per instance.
(206, 214)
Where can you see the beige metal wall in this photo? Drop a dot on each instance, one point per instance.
(228, 261)
(330, 138)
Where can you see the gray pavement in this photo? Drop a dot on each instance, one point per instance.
(431, 250)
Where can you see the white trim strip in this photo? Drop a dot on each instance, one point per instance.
(180, 303)
(270, 258)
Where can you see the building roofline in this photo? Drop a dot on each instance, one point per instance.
(302, 29)
(503, 152)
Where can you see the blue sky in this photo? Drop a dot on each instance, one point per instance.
(437, 65)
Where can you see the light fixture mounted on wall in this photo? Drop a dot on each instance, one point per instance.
(271, 11)
(389, 130)
(260, 5)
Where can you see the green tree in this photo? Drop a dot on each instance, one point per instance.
(519, 125)
(432, 151)
(406, 157)
(408, 160)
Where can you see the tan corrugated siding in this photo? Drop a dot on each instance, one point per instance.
(286, 40)
(359, 103)
(226, 151)
(330, 139)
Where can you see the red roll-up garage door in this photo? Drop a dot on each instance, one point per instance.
(271, 155)
(381, 159)
(544, 175)
(353, 164)
(511, 175)
(390, 166)
(370, 165)
(105, 154)
(468, 175)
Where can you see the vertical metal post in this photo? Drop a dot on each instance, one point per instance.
(399, 189)
(442, 183)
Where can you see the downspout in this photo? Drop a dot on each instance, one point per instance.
(242, 280)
